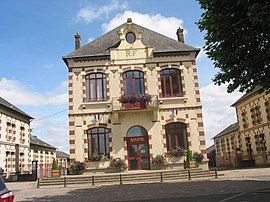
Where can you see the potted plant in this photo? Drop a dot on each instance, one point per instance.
(159, 162)
(119, 164)
(77, 168)
(198, 157)
(55, 169)
(189, 163)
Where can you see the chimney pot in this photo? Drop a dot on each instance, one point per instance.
(180, 35)
(77, 37)
(129, 20)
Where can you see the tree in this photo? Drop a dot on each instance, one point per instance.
(237, 40)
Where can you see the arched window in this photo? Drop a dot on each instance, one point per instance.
(176, 135)
(171, 83)
(136, 131)
(133, 83)
(98, 142)
(96, 87)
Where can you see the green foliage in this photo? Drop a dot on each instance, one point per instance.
(189, 155)
(159, 160)
(237, 40)
(118, 163)
(55, 166)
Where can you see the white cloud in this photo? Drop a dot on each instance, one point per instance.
(164, 25)
(89, 13)
(21, 94)
(216, 109)
(202, 55)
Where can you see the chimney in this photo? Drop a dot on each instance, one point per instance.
(180, 34)
(77, 37)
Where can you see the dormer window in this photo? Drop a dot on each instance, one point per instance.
(130, 37)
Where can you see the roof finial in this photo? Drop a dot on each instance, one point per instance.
(129, 20)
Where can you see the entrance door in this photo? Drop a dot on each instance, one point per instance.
(138, 148)
(138, 156)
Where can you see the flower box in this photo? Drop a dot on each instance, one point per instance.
(136, 105)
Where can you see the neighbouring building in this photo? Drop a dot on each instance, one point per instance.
(63, 159)
(14, 138)
(228, 143)
(41, 151)
(133, 94)
(246, 142)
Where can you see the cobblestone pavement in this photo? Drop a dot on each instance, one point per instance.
(243, 186)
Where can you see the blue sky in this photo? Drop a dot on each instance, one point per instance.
(36, 34)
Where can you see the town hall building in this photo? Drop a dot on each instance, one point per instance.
(133, 94)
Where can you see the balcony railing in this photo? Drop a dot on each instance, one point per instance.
(135, 103)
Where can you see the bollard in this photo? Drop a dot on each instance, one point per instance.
(65, 182)
(121, 182)
(189, 175)
(93, 180)
(38, 183)
(215, 172)
(161, 177)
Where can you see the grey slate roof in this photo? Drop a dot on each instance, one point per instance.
(10, 106)
(101, 46)
(246, 95)
(36, 141)
(60, 154)
(231, 128)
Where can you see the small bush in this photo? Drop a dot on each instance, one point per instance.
(198, 157)
(118, 163)
(189, 155)
(55, 166)
(77, 167)
(159, 161)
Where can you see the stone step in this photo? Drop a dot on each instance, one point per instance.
(129, 177)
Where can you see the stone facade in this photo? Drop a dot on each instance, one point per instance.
(14, 138)
(253, 112)
(249, 140)
(41, 151)
(116, 117)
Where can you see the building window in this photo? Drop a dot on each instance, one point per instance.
(171, 83)
(244, 119)
(176, 135)
(130, 37)
(98, 142)
(96, 87)
(267, 109)
(255, 115)
(133, 83)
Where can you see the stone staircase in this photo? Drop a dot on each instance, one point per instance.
(128, 178)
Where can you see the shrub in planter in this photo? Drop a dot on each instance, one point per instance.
(159, 162)
(55, 169)
(77, 168)
(189, 163)
(119, 164)
(177, 152)
(198, 157)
